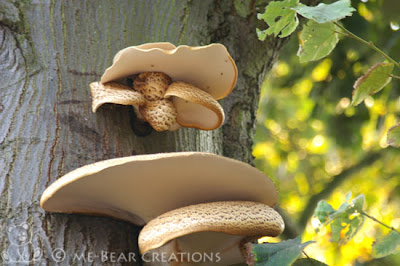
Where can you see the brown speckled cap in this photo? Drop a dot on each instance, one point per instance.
(243, 218)
(210, 233)
(161, 114)
(114, 93)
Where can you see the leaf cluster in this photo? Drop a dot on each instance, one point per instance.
(320, 36)
(346, 221)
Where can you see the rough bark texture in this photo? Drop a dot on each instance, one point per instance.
(49, 52)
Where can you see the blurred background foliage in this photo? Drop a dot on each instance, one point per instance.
(315, 145)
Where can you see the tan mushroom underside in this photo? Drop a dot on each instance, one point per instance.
(113, 92)
(243, 218)
(209, 68)
(140, 188)
(195, 107)
(199, 249)
(146, 46)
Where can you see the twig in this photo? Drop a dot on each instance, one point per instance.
(308, 257)
(379, 222)
(370, 44)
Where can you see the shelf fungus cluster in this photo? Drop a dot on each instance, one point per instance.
(172, 87)
(196, 208)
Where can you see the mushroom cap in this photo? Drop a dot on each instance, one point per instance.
(160, 114)
(243, 218)
(195, 107)
(140, 188)
(113, 92)
(209, 67)
(152, 85)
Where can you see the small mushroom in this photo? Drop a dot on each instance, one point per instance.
(140, 188)
(215, 231)
(193, 93)
(195, 107)
(115, 93)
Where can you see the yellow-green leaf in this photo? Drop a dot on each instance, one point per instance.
(393, 137)
(280, 19)
(376, 78)
(317, 41)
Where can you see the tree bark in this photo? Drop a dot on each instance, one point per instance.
(50, 51)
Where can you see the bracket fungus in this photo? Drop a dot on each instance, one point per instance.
(172, 86)
(217, 231)
(188, 201)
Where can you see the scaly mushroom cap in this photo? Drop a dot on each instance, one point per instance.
(161, 114)
(113, 92)
(140, 188)
(243, 218)
(152, 85)
(195, 107)
(209, 68)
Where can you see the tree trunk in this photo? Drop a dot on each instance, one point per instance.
(50, 51)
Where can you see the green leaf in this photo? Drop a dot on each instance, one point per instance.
(348, 196)
(317, 41)
(323, 211)
(348, 217)
(280, 18)
(357, 203)
(242, 7)
(376, 78)
(323, 13)
(336, 228)
(354, 225)
(308, 262)
(393, 137)
(282, 253)
(346, 221)
(387, 245)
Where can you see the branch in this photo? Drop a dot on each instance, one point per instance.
(337, 181)
(370, 44)
(379, 222)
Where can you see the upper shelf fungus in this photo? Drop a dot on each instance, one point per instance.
(173, 86)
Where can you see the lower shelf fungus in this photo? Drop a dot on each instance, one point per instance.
(207, 234)
(189, 203)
